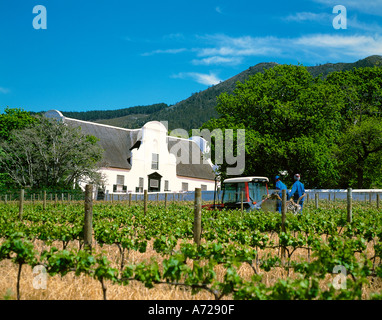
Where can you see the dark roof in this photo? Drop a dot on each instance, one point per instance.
(193, 165)
(115, 141)
(118, 142)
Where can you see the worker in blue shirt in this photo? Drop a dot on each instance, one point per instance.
(297, 191)
(280, 186)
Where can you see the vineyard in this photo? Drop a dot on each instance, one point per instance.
(151, 254)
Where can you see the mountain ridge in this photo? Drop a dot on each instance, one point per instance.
(193, 111)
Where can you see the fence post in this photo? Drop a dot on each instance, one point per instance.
(165, 200)
(349, 205)
(130, 199)
(198, 216)
(5, 199)
(88, 216)
(44, 201)
(283, 209)
(377, 200)
(316, 196)
(283, 217)
(242, 201)
(145, 201)
(370, 196)
(21, 204)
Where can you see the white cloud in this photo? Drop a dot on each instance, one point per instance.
(230, 50)
(206, 79)
(309, 16)
(369, 27)
(326, 19)
(373, 7)
(219, 10)
(336, 45)
(224, 49)
(174, 36)
(4, 90)
(217, 60)
(167, 51)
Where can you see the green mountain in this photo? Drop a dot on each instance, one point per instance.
(200, 107)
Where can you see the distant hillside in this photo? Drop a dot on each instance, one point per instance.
(132, 112)
(200, 107)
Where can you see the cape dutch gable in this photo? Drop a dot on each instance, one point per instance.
(146, 158)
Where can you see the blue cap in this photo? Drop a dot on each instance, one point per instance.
(277, 178)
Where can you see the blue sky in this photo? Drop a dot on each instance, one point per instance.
(99, 55)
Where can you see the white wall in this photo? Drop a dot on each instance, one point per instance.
(154, 140)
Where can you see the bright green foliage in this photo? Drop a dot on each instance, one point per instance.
(328, 130)
(50, 154)
(230, 239)
(291, 121)
(14, 119)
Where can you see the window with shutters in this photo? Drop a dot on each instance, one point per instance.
(120, 180)
(166, 186)
(120, 184)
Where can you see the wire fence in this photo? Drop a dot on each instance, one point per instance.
(370, 195)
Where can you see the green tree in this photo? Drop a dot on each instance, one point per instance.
(292, 121)
(359, 152)
(12, 119)
(361, 90)
(50, 154)
(360, 146)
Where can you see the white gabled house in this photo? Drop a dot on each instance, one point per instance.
(146, 158)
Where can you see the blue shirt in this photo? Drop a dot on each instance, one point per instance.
(297, 191)
(281, 186)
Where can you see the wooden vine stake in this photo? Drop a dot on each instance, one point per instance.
(145, 201)
(283, 218)
(88, 222)
(21, 204)
(377, 200)
(242, 201)
(44, 200)
(349, 206)
(198, 216)
(316, 197)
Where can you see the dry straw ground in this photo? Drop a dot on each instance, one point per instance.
(71, 287)
(84, 287)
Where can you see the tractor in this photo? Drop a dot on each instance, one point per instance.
(251, 193)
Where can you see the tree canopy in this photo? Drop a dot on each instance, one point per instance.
(50, 154)
(328, 130)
